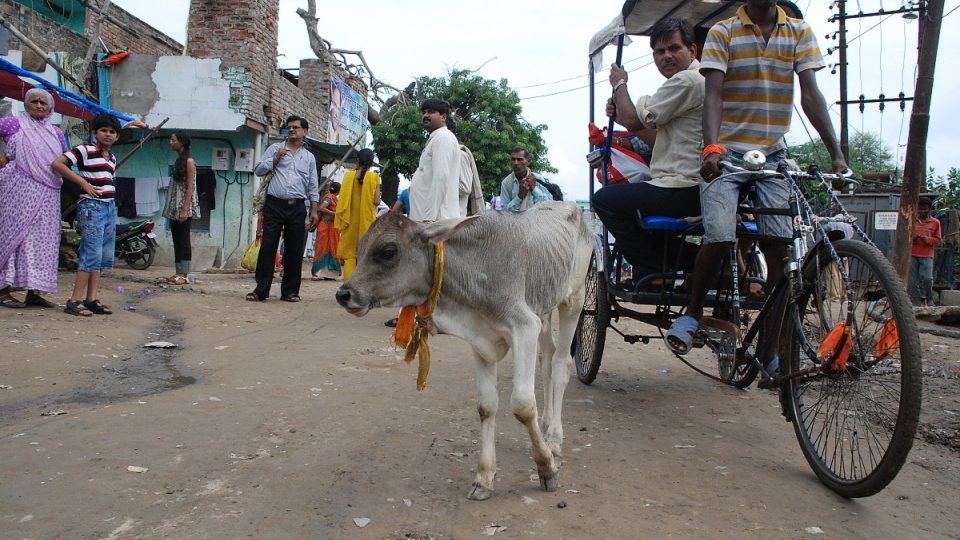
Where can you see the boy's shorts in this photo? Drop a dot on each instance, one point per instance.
(96, 220)
(719, 200)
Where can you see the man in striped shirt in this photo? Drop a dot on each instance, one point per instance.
(96, 212)
(748, 63)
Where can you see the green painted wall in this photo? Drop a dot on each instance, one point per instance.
(229, 221)
(69, 13)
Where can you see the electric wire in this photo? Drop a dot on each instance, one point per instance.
(572, 78)
(595, 82)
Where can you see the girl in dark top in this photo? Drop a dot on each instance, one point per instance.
(182, 205)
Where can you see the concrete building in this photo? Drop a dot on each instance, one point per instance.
(223, 87)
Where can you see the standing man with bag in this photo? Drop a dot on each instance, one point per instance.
(284, 212)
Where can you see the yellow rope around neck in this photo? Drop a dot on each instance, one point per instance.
(415, 323)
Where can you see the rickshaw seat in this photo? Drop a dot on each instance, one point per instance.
(680, 225)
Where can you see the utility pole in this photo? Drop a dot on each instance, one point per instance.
(842, 48)
(915, 164)
(841, 19)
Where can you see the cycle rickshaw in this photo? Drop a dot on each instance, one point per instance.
(850, 373)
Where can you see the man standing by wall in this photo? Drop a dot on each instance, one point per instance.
(520, 190)
(284, 212)
(435, 186)
(926, 235)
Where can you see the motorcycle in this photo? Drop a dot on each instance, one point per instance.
(136, 244)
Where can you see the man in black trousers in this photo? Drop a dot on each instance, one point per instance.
(284, 211)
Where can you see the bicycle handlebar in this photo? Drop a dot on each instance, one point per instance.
(845, 177)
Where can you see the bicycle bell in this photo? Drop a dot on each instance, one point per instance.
(754, 160)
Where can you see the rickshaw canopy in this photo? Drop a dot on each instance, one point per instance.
(639, 16)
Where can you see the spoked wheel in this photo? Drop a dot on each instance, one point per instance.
(587, 346)
(855, 424)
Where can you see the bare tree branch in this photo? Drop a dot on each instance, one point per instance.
(375, 87)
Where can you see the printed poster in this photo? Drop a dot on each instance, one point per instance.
(347, 120)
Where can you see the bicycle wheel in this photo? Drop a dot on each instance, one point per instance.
(587, 346)
(855, 424)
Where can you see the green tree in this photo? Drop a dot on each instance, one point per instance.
(488, 121)
(867, 154)
(946, 187)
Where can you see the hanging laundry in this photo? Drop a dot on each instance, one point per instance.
(147, 196)
(126, 197)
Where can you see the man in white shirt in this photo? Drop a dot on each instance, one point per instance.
(435, 186)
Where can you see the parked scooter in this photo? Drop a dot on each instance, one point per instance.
(136, 244)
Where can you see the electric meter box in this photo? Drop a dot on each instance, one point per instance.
(244, 161)
(220, 159)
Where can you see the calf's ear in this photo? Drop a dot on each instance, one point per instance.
(439, 231)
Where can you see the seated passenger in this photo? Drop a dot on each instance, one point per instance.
(674, 114)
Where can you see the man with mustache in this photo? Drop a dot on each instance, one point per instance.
(435, 186)
(673, 116)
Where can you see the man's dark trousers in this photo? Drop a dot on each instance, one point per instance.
(289, 217)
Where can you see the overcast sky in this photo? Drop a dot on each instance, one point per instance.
(534, 43)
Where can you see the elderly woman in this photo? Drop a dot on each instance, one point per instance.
(30, 202)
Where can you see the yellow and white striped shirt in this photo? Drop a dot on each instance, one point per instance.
(758, 81)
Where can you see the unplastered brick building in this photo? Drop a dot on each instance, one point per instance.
(223, 86)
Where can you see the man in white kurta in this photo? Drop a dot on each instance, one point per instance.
(435, 186)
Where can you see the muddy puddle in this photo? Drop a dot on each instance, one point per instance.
(142, 372)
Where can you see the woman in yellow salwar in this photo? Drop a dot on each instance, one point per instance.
(357, 208)
(326, 262)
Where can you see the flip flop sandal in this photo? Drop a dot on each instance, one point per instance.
(252, 297)
(77, 309)
(12, 303)
(679, 338)
(177, 280)
(98, 308)
(291, 298)
(38, 301)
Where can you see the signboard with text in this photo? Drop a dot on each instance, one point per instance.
(885, 221)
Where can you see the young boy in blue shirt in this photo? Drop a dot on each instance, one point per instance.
(96, 212)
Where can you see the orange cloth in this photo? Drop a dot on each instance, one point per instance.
(328, 237)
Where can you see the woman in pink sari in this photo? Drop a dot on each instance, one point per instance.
(30, 202)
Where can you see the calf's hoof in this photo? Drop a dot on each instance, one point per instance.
(478, 492)
(549, 483)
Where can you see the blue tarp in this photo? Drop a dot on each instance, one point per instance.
(62, 94)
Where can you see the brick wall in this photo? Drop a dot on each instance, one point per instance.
(141, 37)
(47, 34)
(243, 34)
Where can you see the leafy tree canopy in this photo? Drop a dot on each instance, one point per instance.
(488, 121)
(946, 187)
(867, 154)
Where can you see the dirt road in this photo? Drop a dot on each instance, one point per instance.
(277, 420)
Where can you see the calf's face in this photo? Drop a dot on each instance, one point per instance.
(395, 260)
